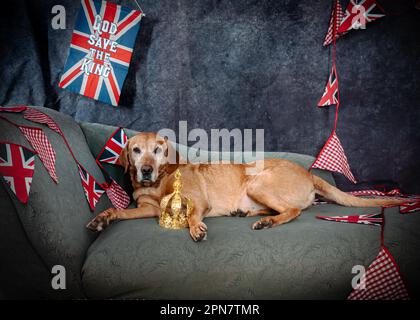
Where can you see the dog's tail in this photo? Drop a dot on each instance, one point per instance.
(330, 192)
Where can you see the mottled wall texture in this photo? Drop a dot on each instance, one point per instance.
(242, 64)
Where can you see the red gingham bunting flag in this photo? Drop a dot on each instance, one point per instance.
(113, 147)
(333, 158)
(117, 195)
(17, 165)
(374, 219)
(359, 13)
(15, 109)
(330, 95)
(410, 207)
(37, 116)
(42, 146)
(93, 190)
(337, 11)
(382, 281)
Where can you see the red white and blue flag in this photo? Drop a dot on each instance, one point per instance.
(410, 207)
(359, 13)
(100, 50)
(330, 95)
(375, 219)
(113, 147)
(93, 190)
(17, 165)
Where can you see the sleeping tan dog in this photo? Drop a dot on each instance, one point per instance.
(281, 188)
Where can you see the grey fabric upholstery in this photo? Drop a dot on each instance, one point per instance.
(305, 259)
(55, 217)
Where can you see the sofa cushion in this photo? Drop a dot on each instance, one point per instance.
(306, 259)
(55, 216)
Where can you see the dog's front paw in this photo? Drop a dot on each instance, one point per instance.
(102, 220)
(263, 224)
(198, 231)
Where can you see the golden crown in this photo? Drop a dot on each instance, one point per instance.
(175, 208)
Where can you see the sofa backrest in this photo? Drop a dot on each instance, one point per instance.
(97, 135)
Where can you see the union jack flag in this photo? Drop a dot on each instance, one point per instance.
(337, 14)
(359, 13)
(100, 50)
(375, 219)
(113, 147)
(17, 165)
(330, 95)
(410, 207)
(93, 190)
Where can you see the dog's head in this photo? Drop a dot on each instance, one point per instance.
(147, 156)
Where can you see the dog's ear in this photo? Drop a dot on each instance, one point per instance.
(172, 155)
(124, 160)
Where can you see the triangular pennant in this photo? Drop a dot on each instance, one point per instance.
(375, 219)
(37, 116)
(330, 95)
(333, 158)
(359, 13)
(410, 207)
(43, 147)
(93, 190)
(110, 153)
(17, 165)
(119, 198)
(381, 281)
(336, 12)
(15, 109)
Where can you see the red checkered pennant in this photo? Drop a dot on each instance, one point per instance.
(15, 109)
(337, 13)
(93, 190)
(17, 165)
(330, 95)
(359, 13)
(382, 281)
(333, 158)
(410, 207)
(117, 195)
(113, 147)
(374, 219)
(37, 116)
(43, 147)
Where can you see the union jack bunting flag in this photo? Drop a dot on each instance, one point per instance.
(330, 95)
(43, 147)
(113, 147)
(359, 13)
(381, 281)
(375, 219)
(337, 13)
(117, 195)
(410, 207)
(37, 116)
(333, 158)
(93, 190)
(100, 50)
(15, 109)
(17, 165)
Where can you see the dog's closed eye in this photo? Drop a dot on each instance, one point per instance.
(136, 150)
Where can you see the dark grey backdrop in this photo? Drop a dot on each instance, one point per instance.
(242, 64)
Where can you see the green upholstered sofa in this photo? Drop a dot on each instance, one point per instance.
(305, 259)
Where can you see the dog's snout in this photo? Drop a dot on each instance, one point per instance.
(146, 169)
